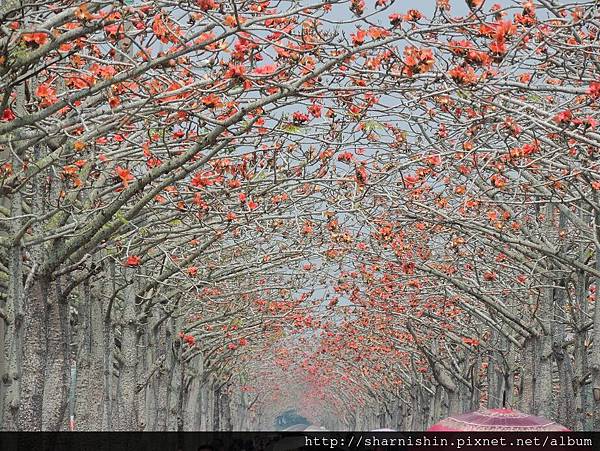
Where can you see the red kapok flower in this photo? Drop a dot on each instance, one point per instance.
(594, 89)
(206, 5)
(564, 117)
(124, 175)
(133, 260)
(8, 115)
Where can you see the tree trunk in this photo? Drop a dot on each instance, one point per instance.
(181, 389)
(210, 406)
(595, 354)
(216, 408)
(580, 317)
(510, 374)
(173, 376)
(581, 370)
(494, 376)
(128, 410)
(403, 423)
(12, 351)
(204, 405)
(34, 357)
(542, 377)
(526, 374)
(566, 396)
(436, 410)
(452, 402)
(192, 416)
(58, 368)
(161, 379)
(13, 336)
(226, 411)
(475, 400)
(143, 366)
(536, 373)
(150, 390)
(3, 363)
(90, 361)
(241, 414)
(108, 342)
(543, 404)
(16, 327)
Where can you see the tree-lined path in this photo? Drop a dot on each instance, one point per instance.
(376, 212)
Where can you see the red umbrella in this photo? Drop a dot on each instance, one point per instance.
(497, 420)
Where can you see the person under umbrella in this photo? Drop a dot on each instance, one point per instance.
(497, 420)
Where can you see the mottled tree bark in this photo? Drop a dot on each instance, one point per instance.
(495, 383)
(90, 360)
(13, 335)
(173, 375)
(420, 410)
(192, 420)
(580, 354)
(543, 360)
(150, 389)
(537, 377)
(161, 379)
(580, 314)
(128, 409)
(108, 342)
(204, 405)
(436, 401)
(475, 393)
(33, 370)
(181, 389)
(3, 363)
(216, 408)
(566, 395)
(210, 404)
(58, 368)
(223, 417)
(595, 354)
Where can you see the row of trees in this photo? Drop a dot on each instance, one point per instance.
(215, 211)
